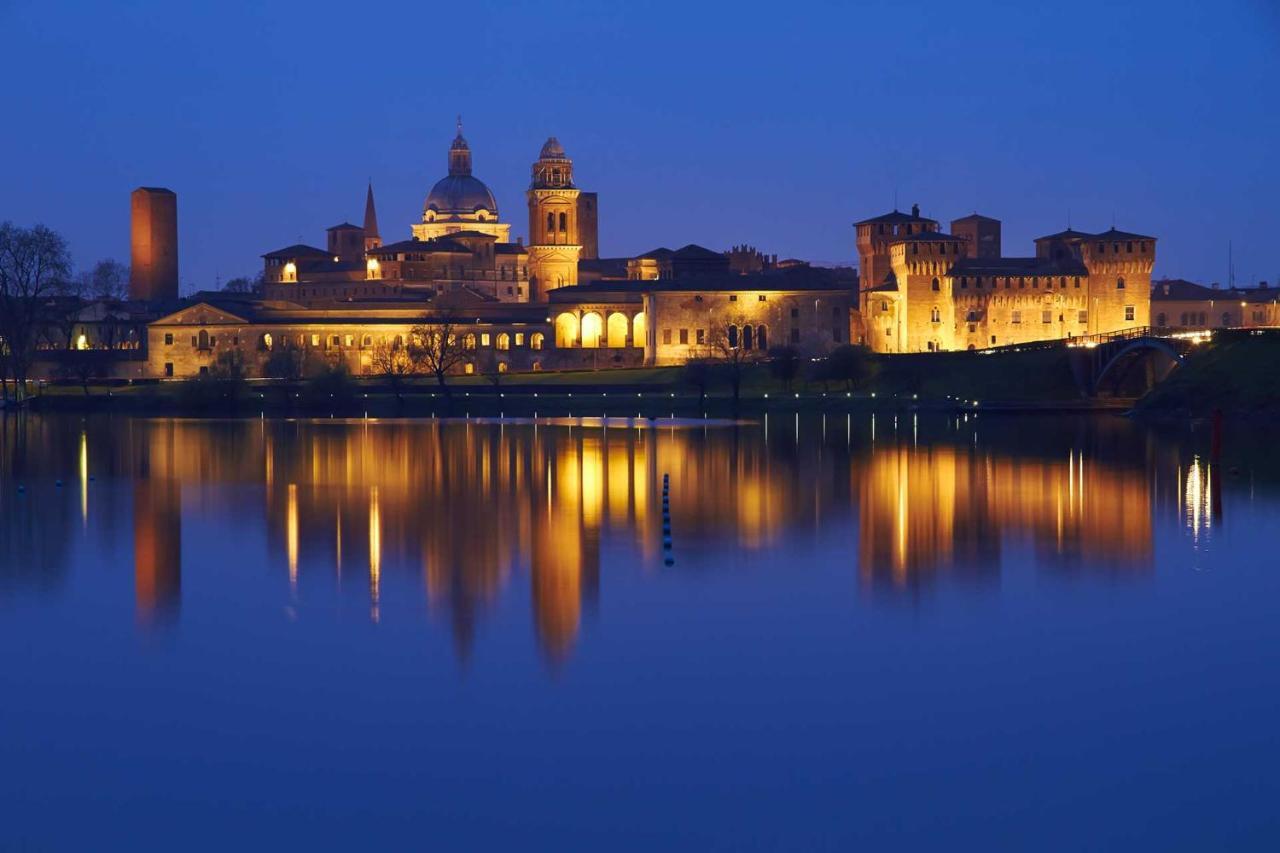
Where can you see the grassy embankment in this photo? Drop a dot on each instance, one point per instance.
(1238, 375)
(1032, 379)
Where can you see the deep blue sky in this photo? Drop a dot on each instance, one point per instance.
(777, 124)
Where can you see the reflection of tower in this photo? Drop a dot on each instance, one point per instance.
(565, 559)
(554, 243)
(157, 548)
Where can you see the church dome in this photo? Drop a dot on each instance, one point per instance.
(552, 149)
(460, 194)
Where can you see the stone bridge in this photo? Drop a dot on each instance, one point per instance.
(1129, 363)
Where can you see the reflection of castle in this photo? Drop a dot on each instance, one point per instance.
(950, 509)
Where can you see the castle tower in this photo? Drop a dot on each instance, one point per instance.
(980, 233)
(372, 239)
(1119, 265)
(154, 271)
(554, 240)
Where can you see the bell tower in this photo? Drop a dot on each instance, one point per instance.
(554, 239)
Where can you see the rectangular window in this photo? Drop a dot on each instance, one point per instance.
(315, 340)
(1128, 313)
(698, 298)
(763, 298)
(702, 336)
(795, 312)
(1046, 316)
(484, 339)
(666, 336)
(168, 368)
(1017, 317)
(335, 341)
(733, 297)
(1082, 317)
(168, 339)
(519, 339)
(684, 336)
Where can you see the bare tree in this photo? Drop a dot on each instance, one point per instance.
(391, 359)
(438, 348)
(244, 284)
(699, 372)
(33, 262)
(109, 279)
(731, 347)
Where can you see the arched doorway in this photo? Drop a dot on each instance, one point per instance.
(616, 330)
(566, 330)
(638, 330)
(592, 330)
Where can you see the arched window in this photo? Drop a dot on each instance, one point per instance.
(733, 337)
(1120, 284)
(551, 222)
(366, 341)
(564, 222)
(468, 368)
(638, 330)
(762, 338)
(535, 340)
(747, 337)
(502, 367)
(266, 341)
(937, 285)
(202, 340)
(469, 342)
(935, 316)
(504, 341)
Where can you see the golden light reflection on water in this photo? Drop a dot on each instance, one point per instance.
(463, 511)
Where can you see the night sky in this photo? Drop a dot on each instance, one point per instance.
(776, 124)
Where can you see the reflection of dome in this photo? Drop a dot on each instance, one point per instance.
(552, 149)
(460, 194)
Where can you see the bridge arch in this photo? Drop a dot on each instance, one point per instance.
(1135, 367)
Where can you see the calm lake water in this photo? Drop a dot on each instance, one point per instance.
(910, 633)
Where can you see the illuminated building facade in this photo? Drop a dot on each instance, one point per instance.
(925, 290)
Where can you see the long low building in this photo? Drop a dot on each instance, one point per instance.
(604, 324)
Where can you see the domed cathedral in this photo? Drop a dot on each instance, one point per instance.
(554, 241)
(460, 201)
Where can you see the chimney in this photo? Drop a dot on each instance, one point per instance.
(915, 210)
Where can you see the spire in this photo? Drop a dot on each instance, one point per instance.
(372, 240)
(370, 214)
(459, 154)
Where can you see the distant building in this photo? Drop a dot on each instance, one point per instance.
(1179, 304)
(154, 229)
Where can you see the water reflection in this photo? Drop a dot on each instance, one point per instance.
(475, 510)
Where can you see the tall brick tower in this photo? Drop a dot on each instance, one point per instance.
(554, 241)
(154, 270)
